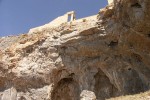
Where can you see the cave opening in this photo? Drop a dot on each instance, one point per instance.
(66, 89)
(103, 88)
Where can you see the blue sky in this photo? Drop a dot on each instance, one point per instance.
(18, 16)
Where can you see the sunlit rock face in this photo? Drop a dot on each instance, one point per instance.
(100, 58)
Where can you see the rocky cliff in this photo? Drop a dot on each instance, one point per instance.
(87, 60)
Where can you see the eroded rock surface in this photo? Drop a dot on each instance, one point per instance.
(106, 57)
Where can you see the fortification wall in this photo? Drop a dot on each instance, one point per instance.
(56, 22)
(94, 17)
(64, 19)
(59, 20)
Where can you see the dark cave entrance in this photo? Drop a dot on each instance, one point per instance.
(66, 89)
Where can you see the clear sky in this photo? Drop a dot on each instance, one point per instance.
(18, 16)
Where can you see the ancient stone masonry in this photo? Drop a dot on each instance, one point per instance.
(63, 19)
(69, 17)
(56, 22)
(72, 16)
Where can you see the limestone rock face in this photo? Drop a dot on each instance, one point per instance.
(87, 60)
(87, 95)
